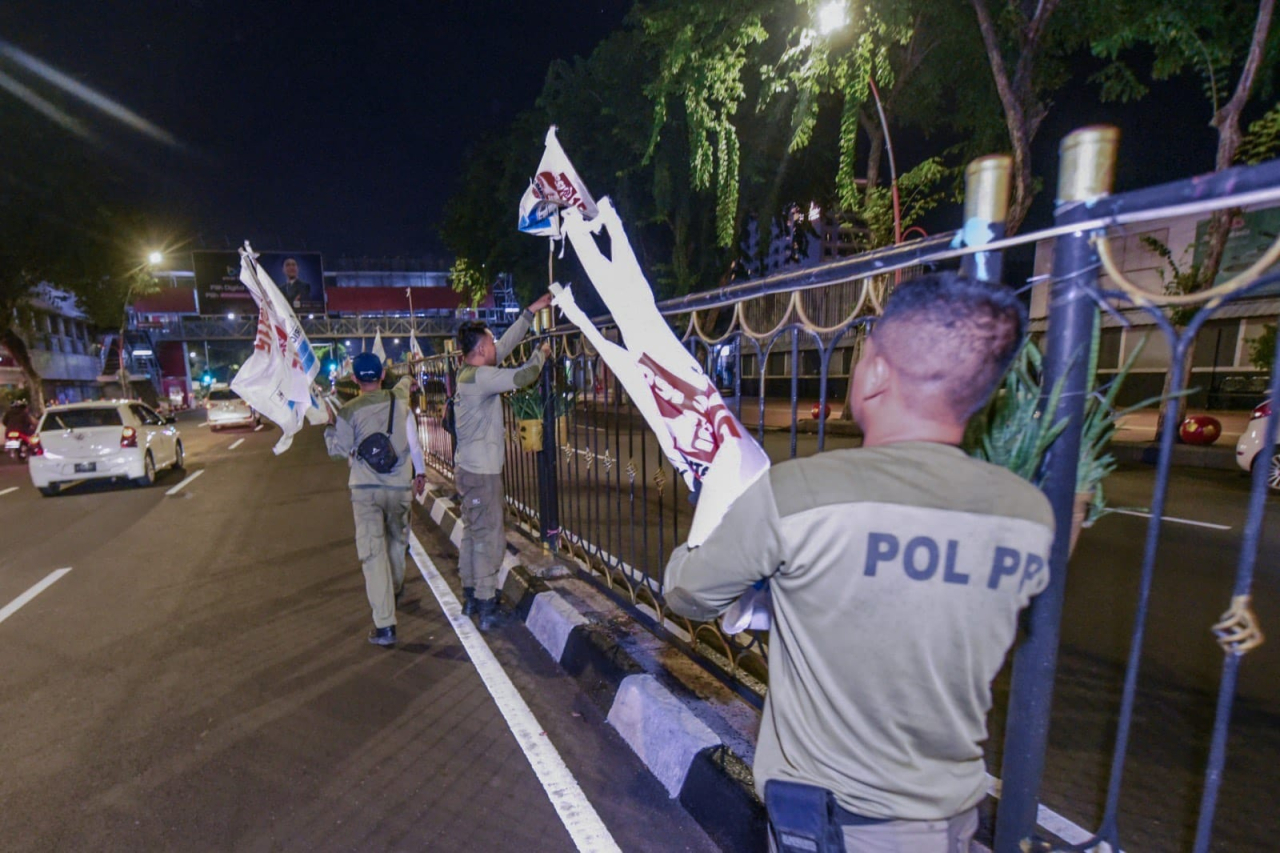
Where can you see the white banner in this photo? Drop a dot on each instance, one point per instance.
(699, 435)
(556, 186)
(277, 378)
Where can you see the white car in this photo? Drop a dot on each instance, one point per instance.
(225, 408)
(109, 439)
(1250, 447)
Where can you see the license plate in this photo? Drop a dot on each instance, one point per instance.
(86, 467)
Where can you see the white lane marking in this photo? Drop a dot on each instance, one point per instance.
(8, 490)
(238, 442)
(1068, 831)
(206, 423)
(14, 606)
(259, 427)
(188, 479)
(576, 812)
(1207, 524)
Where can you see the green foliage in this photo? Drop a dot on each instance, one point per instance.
(1262, 349)
(706, 49)
(1203, 36)
(526, 404)
(1013, 430)
(466, 278)
(1178, 278)
(1262, 140)
(920, 191)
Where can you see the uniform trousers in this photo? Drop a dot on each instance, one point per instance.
(911, 836)
(382, 531)
(483, 539)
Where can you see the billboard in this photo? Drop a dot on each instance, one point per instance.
(299, 275)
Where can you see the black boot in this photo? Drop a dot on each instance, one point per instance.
(468, 601)
(488, 610)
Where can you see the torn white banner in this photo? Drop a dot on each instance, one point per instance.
(555, 186)
(698, 433)
(276, 380)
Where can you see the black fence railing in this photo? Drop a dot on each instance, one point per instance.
(596, 486)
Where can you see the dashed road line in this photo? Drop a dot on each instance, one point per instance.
(183, 484)
(1193, 523)
(14, 606)
(576, 812)
(8, 490)
(238, 442)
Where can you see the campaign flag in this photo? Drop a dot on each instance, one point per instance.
(699, 435)
(415, 351)
(378, 349)
(555, 187)
(277, 378)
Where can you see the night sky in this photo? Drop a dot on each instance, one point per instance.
(333, 126)
(340, 127)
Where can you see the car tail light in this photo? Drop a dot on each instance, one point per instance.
(1263, 411)
(129, 437)
(36, 448)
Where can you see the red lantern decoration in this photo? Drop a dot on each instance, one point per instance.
(826, 411)
(1201, 430)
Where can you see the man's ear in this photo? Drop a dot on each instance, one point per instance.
(877, 373)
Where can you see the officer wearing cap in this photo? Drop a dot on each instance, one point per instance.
(380, 501)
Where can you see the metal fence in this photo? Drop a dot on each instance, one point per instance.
(598, 488)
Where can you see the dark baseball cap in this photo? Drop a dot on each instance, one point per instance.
(367, 367)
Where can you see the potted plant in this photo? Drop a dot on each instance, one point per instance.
(1013, 431)
(526, 408)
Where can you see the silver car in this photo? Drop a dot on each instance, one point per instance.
(225, 408)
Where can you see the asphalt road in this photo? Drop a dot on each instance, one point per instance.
(199, 680)
(1181, 668)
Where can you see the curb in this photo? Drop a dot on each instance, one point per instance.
(679, 748)
(1184, 456)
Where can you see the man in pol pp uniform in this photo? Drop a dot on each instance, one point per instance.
(380, 499)
(482, 448)
(897, 572)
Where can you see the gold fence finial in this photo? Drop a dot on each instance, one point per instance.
(986, 188)
(1087, 163)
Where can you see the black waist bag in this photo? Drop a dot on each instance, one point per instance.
(376, 450)
(803, 818)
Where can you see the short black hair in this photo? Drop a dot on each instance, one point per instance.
(952, 337)
(470, 333)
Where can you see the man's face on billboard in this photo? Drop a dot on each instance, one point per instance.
(290, 269)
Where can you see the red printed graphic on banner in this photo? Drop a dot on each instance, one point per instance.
(280, 339)
(697, 418)
(556, 185)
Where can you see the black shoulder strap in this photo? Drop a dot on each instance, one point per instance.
(391, 414)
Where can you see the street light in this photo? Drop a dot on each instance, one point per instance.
(155, 258)
(832, 17)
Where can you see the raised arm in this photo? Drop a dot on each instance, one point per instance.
(500, 380)
(514, 335)
(746, 546)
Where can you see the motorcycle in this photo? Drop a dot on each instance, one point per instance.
(18, 444)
